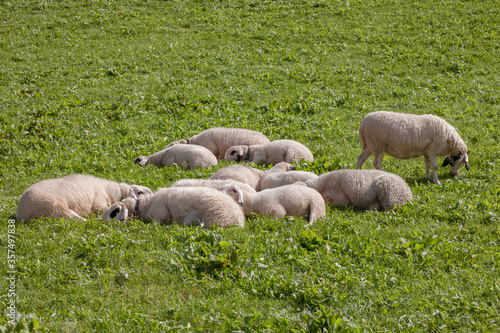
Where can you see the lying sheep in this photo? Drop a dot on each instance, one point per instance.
(284, 174)
(407, 136)
(365, 189)
(73, 196)
(184, 205)
(270, 153)
(219, 139)
(242, 173)
(191, 156)
(288, 200)
(216, 184)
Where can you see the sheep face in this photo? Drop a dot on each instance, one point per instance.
(456, 161)
(236, 153)
(117, 211)
(235, 192)
(141, 160)
(283, 166)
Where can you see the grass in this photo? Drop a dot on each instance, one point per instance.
(87, 86)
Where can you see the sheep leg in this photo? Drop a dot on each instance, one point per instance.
(427, 167)
(74, 215)
(435, 179)
(362, 158)
(377, 161)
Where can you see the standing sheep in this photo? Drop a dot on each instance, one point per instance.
(284, 174)
(270, 153)
(219, 139)
(184, 205)
(407, 136)
(365, 189)
(191, 156)
(242, 173)
(73, 196)
(288, 200)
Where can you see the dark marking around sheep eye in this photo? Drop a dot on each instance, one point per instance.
(140, 192)
(114, 213)
(233, 152)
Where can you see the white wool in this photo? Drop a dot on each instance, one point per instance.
(365, 189)
(407, 136)
(73, 196)
(184, 205)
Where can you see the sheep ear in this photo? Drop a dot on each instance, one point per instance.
(467, 163)
(446, 161)
(116, 212)
(131, 193)
(241, 201)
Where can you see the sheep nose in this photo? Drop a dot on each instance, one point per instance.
(239, 158)
(454, 173)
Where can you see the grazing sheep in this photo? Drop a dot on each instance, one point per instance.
(73, 196)
(242, 173)
(407, 136)
(184, 205)
(216, 184)
(191, 156)
(284, 174)
(365, 189)
(219, 139)
(288, 200)
(270, 153)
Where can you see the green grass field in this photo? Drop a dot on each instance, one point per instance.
(87, 86)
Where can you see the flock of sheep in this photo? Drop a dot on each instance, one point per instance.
(238, 190)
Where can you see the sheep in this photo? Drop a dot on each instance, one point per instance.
(212, 183)
(73, 196)
(270, 153)
(191, 156)
(242, 173)
(219, 139)
(284, 174)
(364, 189)
(184, 205)
(407, 136)
(288, 200)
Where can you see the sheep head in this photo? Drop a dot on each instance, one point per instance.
(456, 161)
(117, 211)
(235, 192)
(139, 190)
(141, 160)
(237, 153)
(282, 167)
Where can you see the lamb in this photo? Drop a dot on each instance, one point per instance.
(191, 156)
(407, 136)
(219, 139)
(73, 196)
(284, 174)
(364, 189)
(184, 205)
(242, 173)
(271, 153)
(212, 183)
(288, 200)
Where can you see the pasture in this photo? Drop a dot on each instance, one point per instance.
(87, 86)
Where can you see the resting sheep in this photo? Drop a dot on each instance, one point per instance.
(365, 189)
(184, 205)
(284, 174)
(242, 173)
(288, 200)
(73, 196)
(219, 139)
(407, 136)
(270, 153)
(191, 156)
(216, 184)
